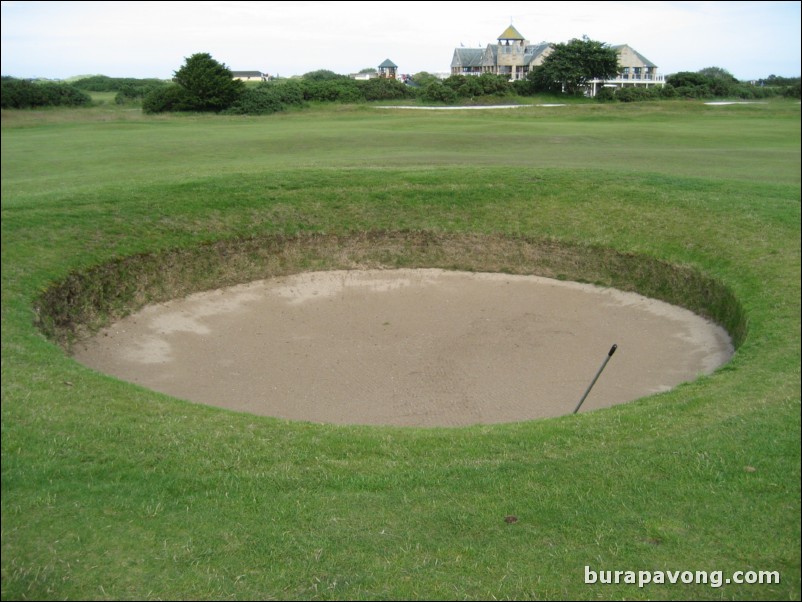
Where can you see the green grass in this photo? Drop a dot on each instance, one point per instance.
(110, 491)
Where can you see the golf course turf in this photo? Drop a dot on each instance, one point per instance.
(113, 491)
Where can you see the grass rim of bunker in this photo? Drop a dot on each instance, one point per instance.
(86, 300)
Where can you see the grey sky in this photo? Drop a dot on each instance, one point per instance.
(152, 39)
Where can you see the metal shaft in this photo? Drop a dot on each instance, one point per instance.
(595, 378)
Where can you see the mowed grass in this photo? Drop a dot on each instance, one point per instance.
(110, 491)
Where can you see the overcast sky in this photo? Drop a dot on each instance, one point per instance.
(58, 40)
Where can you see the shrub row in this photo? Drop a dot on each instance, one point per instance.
(24, 94)
(682, 88)
(271, 97)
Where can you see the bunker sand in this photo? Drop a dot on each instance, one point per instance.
(408, 347)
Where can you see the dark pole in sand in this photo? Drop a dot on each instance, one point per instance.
(595, 378)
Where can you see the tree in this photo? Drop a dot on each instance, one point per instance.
(570, 67)
(775, 80)
(689, 84)
(718, 73)
(497, 85)
(269, 97)
(169, 98)
(465, 87)
(424, 78)
(722, 82)
(383, 88)
(323, 75)
(436, 91)
(209, 85)
(688, 79)
(341, 89)
(469, 86)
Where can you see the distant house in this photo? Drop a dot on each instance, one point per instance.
(388, 69)
(515, 57)
(250, 76)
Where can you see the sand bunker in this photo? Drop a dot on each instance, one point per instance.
(723, 103)
(457, 108)
(468, 107)
(408, 347)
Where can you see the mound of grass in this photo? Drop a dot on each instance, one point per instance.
(113, 491)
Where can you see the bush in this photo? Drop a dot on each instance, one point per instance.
(524, 87)
(103, 83)
(278, 96)
(688, 92)
(438, 92)
(136, 92)
(606, 95)
(720, 87)
(636, 94)
(96, 83)
(23, 94)
(322, 75)
(289, 92)
(687, 79)
(487, 84)
(267, 98)
(383, 89)
(342, 89)
(470, 86)
(162, 100)
(496, 85)
(712, 82)
(668, 92)
(258, 101)
(464, 86)
(423, 78)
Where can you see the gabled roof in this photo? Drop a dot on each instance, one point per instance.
(490, 55)
(388, 64)
(467, 57)
(646, 62)
(534, 51)
(511, 34)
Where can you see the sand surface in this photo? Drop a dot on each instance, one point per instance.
(467, 108)
(408, 347)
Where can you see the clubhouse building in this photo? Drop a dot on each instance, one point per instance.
(515, 57)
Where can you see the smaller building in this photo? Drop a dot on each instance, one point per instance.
(388, 69)
(635, 71)
(250, 76)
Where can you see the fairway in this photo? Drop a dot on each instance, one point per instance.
(111, 490)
